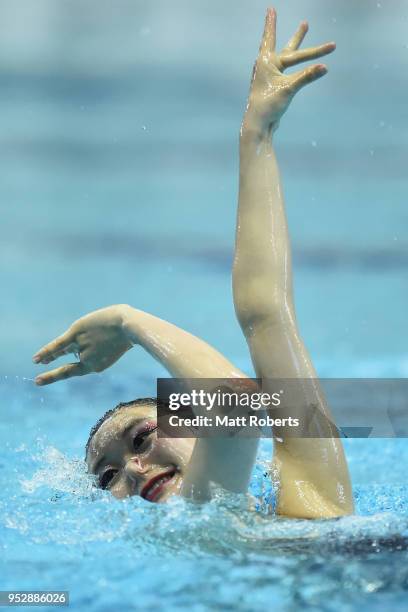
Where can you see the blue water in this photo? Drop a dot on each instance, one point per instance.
(118, 185)
(59, 532)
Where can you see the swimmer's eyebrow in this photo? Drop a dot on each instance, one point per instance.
(124, 431)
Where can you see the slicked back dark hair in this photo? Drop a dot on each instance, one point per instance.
(141, 401)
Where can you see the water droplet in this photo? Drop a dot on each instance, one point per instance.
(144, 128)
(334, 20)
(372, 587)
(395, 238)
(314, 143)
(145, 31)
(372, 152)
(382, 124)
(379, 5)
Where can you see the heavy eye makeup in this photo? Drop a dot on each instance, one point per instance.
(141, 437)
(138, 442)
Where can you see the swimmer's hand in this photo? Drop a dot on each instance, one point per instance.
(272, 91)
(98, 339)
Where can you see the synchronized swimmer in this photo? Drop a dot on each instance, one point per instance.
(124, 450)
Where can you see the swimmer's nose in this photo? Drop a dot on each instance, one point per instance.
(134, 468)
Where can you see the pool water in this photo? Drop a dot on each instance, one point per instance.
(119, 185)
(61, 533)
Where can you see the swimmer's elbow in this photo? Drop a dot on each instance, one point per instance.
(255, 312)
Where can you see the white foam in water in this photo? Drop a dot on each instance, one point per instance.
(59, 473)
(51, 508)
(233, 524)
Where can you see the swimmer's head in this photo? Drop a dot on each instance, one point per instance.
(128, 458)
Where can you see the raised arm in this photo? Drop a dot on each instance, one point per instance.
(100, 338)
(313, 475)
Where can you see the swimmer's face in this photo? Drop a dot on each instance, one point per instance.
(129, 459)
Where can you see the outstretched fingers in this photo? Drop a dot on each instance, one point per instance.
(66, 371)
(308, 75)
(60, 346)
(304, 55)
(268, 42)
(297, 39)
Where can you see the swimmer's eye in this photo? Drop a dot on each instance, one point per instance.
(106, 478)
(141, 437)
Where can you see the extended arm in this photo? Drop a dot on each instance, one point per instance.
(312, 472)
(102, 337)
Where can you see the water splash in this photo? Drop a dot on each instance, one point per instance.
(60, 474)
(131, 550)
(59, 503)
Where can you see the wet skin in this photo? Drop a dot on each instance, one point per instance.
(129, 458)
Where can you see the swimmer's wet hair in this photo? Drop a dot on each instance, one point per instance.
(141, 401)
